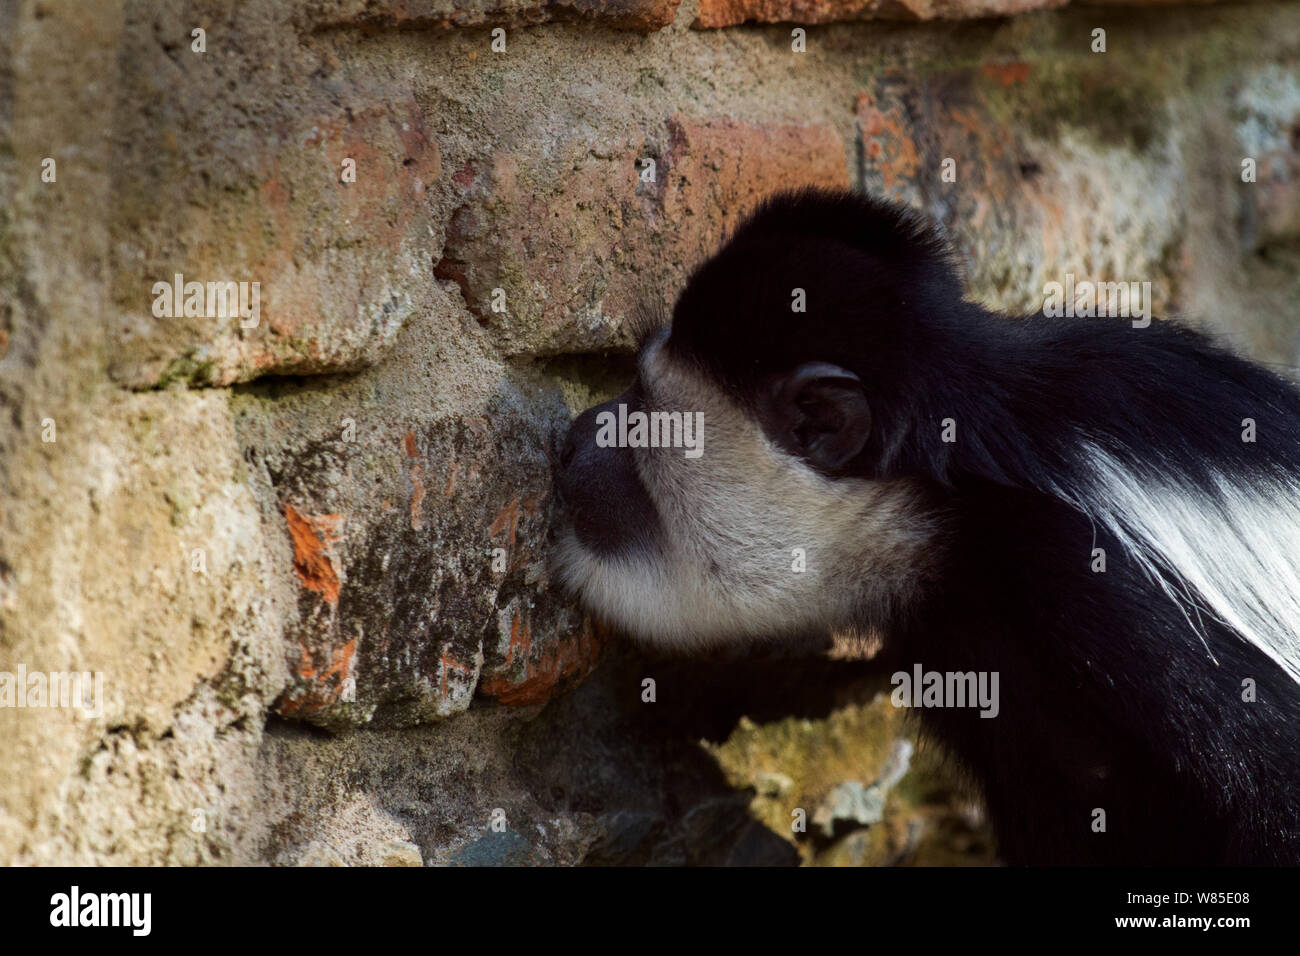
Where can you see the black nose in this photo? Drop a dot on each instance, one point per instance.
(603, 496)
(581, 436)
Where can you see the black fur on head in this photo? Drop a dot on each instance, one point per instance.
(879, 291)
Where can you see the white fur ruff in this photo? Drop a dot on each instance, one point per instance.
(1234, 553)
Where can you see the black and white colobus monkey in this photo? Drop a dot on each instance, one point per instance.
(950, 474)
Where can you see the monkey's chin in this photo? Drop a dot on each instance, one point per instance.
(637, 597)
(628, 594)
(613, 590)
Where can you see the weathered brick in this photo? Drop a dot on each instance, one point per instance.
(431, 584)
(336, 261)
(1144, 3)
(640, 15)
(1028, 205)
(532, 672)
(727, 13)
(889, 160)
(1267, 130)
(318, 681)
(311, 536)
(575, 240)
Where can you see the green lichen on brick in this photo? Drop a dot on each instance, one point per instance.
(186, 370)
(930, 813)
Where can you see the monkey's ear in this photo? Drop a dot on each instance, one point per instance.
(817, 411)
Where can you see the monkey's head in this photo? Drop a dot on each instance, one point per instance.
(756, 479)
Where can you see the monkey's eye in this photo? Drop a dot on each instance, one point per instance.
(819, 412)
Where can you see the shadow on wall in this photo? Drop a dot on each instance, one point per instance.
(767, 760)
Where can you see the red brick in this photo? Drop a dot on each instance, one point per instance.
(312, 535)
(333, 259)
(890, 161)
(318, 681)
(533, 674)
(1016, 211)
(579, 235)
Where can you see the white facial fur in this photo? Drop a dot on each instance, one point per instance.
(732, 520)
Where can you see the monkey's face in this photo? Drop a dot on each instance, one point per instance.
(729, 492)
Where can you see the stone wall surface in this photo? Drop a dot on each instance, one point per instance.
(305, 544)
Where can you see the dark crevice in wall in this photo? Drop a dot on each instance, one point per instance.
(283, 386)
(605, 372)
(277, 726)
